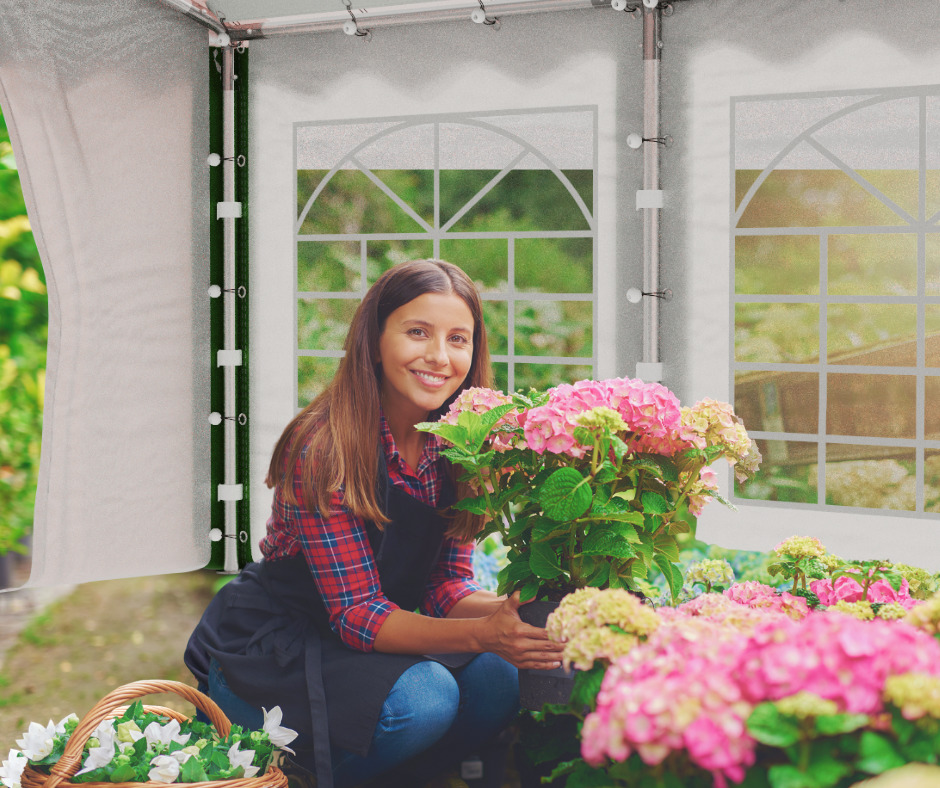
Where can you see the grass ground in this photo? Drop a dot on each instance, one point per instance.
(96, 638)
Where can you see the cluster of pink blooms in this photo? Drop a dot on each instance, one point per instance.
(847, 589)
(655, 421)
(650, 410)
(481, 400)
(693, 685)
(757, 595)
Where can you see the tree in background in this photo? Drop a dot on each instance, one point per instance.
(23, 331)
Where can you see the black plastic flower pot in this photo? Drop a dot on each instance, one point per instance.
(538, 687)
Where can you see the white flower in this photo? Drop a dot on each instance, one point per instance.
(155, 733)
(185, 754)
(165, 769)
(280, 737)
(102, 754)
(238, 758)
(12, 769)
(36, 743)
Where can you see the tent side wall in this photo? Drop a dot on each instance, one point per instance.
(108, 106)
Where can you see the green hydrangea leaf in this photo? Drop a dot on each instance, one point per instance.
(769, 726)
(653, 502)
(565, 495)
(671, 573)
(876, 754)
(530, 590)
(834, 724)
(474, 505)
(544, 562)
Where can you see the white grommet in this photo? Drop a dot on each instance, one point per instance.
(214, 160)
(634, 295)
(214, 291)
(215, 535)
(634, 140)
(618, 5)
(651, 3)
(222, 40)
(215, 418)
(478, 15)
(350, 28)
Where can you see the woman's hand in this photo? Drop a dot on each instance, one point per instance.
(520, 644)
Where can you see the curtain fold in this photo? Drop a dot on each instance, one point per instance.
(107, 104)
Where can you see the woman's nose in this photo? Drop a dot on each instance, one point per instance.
(436, 352)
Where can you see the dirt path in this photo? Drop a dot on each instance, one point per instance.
(97, 637)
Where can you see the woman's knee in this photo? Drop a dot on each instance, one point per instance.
(492, 684)
(425, 695)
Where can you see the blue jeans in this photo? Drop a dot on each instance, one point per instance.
(430, 719)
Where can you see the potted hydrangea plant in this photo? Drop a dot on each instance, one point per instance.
(586, 485)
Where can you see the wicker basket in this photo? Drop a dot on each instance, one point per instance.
(112, 705)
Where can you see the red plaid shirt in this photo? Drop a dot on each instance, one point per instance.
(339, 556)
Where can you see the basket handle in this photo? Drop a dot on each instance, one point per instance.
(72, 757)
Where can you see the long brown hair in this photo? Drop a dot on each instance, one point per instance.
(342, 424)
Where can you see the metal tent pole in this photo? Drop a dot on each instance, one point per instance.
(652, 53)
(228, 307)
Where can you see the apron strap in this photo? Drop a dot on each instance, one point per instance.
(321, 730)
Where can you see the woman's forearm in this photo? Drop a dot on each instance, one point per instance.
(501, 632)
(476, 605)
(404, 632)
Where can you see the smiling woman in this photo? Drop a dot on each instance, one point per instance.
(324, 625)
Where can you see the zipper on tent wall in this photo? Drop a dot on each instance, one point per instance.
(228, 117)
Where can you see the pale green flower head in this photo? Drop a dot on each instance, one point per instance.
(800, 547)
(859, 610)
(926, 615)
(916, 694)
(892, 611)
(710, 572)
(602, 418)
(922, 583)
(806, 705)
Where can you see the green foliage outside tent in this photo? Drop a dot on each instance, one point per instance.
(23, 332)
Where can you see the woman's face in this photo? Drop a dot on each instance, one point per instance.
(425, 350)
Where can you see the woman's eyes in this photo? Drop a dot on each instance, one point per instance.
(460, 339)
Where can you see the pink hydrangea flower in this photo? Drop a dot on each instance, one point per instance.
(848, 589)
(480, 400)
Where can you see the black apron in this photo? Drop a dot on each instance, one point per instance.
(269, 631)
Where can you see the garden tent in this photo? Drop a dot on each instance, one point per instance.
(752, 191)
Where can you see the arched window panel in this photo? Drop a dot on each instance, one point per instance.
(832, 288)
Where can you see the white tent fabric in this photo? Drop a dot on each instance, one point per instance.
(718, 50)
(107, 103)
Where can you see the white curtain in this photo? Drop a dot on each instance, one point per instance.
(107, 103)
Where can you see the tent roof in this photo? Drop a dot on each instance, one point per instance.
(248, 19)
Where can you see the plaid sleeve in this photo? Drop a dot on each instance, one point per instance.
(451, 580)
(340, 558)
